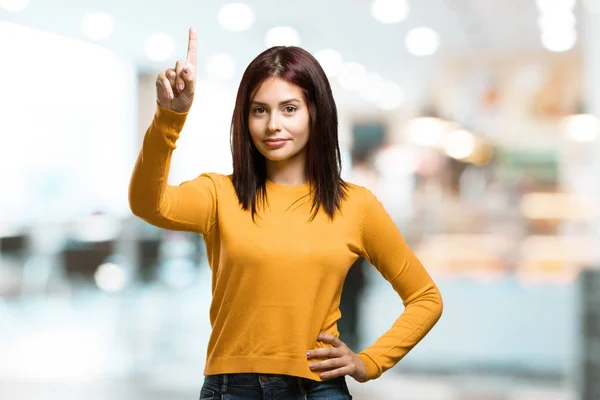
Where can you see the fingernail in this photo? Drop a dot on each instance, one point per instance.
(171, 96)
(186, 71)
(180, 87)
(308, 354)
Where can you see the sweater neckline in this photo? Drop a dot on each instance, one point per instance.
(272, 186)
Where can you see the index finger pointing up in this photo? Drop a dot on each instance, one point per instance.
(192, 48)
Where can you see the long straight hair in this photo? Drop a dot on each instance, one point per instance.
(323, 159)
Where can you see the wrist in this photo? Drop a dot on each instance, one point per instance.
(371, 368)
(171, 118)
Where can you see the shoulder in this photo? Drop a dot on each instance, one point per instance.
(217, 178)
(358, 192)
(358, 197)
(215, 181)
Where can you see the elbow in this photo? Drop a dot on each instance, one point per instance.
(142, 206)
(440, 307)
(137, 205)
(139, 195)
(137, 209)
(142, 211)
(431, 300)
(438, 301)
(134, 197)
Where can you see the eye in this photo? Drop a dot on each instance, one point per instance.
(259, 110)
(290, 109)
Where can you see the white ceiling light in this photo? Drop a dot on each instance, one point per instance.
(426, 131)
(422, 41)
(282, 36)
(392, 97)
(97, 25)
(549, 6)
(110, 277)
(220, 67)
(14, 5)
(459, 144)
(557, 24)
(557, 21)
(390, 11)
(353, 76)
(159, 47)
(374, 88)
(236, 17)
(331, 61)
(559, 40)
(582, 128)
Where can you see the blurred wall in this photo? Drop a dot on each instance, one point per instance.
(68, 110)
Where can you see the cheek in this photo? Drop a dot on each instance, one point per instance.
(301, 128)
(255, 130)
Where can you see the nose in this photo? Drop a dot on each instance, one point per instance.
(274, 125)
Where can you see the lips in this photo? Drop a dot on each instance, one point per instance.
(275, 143)
(275, 140)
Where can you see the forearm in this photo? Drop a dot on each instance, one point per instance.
(410, 328)
(148, 197)
(385, 248)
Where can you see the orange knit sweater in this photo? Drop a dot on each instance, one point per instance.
(276, 282)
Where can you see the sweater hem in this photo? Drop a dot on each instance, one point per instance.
(263, 365)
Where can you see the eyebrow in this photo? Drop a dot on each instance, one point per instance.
(260, 103)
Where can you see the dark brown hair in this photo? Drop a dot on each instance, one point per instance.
(323, 159)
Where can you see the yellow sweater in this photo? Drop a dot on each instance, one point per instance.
(276, 282)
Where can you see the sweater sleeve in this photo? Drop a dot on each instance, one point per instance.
(385, 248)
(190, 206)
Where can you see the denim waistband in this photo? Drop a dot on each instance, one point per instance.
(262, 380)
(253, 379)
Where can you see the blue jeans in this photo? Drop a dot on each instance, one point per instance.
(252, 386)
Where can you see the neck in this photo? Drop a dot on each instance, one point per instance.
(287, 172)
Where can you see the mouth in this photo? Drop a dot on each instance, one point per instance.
(275, 143)
(275, 140)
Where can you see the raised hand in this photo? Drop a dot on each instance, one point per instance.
(339, 360)
(175, 86)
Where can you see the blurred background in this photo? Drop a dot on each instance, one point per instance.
(474, 121)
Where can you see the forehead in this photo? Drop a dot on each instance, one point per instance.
(276, 89)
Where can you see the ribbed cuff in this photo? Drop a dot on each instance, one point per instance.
(170, 119)
(373, 370)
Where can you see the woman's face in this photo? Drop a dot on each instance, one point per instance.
(279, 121)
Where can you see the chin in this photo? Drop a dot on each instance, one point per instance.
(280, 154)
(276, 156)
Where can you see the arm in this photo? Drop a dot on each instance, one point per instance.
(385, 248)
(190, 206)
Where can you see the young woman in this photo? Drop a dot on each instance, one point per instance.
(281, 233)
